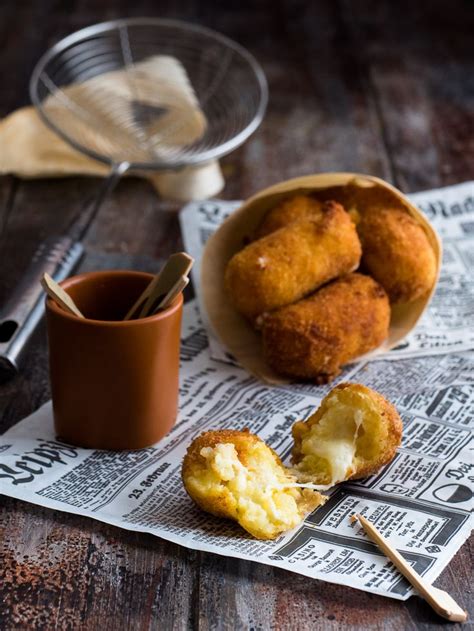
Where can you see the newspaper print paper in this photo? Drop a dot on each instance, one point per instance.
(421, 501)
(445, 326)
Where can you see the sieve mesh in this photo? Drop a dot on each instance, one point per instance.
(152, 93)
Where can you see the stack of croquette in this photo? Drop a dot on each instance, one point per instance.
(297, 281)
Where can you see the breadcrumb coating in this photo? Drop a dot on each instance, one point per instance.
(353, 433)
(397, 253)
(314, 337)
(291, 209)
(293, 261)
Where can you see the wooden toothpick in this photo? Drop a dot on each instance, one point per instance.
(57, 293)
(177, 288)
(177, 266)
(439, 600)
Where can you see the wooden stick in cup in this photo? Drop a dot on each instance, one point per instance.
(177, 288)
(176, 266)
(57, 293)
(439, 600)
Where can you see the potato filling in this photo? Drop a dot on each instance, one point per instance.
(330, 446)
(259, 495)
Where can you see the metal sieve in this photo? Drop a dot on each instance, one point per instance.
(137, 94)
(115, 127)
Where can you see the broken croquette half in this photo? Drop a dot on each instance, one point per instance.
(353, 433)
(234, 474)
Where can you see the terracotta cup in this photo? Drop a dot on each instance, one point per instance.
(114, 383)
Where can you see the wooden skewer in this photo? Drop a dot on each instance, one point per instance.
(177, 288)
(439, 600)
(177, 265)
(57, 293)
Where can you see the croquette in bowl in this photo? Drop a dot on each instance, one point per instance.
(287, 211)
(397, 253)
(292, 262)
(311, 339)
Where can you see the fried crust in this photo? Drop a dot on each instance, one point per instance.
(375, 446)
(313, 338)
(293, 261)
(287, 211)
(397, 253)
(219, 501)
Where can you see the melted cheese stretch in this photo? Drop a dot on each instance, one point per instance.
(261, 492)
(333, 440)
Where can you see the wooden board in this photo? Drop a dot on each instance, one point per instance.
(372, 87)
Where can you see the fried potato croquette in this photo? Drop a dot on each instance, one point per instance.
(353, 434)
(287, 211)
(292, 262)
(313, 338)
(234, 474)
(397, 253)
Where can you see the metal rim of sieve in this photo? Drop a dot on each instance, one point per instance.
(212, 153)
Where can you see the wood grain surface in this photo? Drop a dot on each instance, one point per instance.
(361, 85)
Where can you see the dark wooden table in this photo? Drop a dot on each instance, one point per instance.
(376, 87)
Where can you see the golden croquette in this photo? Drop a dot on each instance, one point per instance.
(354, 432)
(234, 474)
(312, 339)
(292, 262)
(397, 253)
(287, 211)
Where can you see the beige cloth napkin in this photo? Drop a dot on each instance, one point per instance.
(29, 149)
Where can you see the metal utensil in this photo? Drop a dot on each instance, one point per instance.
(129, 125)
(121, 124)
(22, 312)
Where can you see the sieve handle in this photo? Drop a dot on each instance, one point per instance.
(56, 256)
(81, 222)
